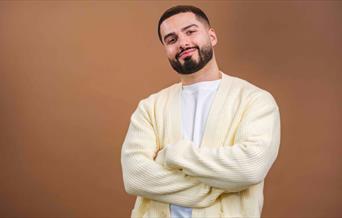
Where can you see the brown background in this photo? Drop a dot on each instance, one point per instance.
(72, 72)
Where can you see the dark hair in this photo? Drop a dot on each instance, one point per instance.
(181, 9)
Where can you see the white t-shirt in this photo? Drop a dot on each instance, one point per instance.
(197, 99)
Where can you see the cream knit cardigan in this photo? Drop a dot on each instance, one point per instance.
(222, 178)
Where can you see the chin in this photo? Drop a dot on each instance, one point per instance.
(191, 58)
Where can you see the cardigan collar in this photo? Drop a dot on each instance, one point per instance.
(213, 120)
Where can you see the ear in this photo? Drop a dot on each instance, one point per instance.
(213, 37)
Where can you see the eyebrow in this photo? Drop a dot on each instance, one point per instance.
(183, 29)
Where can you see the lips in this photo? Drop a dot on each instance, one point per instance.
(186, 52)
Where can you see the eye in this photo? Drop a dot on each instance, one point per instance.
(189, 32)
(171, 40)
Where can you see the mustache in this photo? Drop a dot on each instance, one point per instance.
(185, 49)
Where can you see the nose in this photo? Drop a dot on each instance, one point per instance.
(184, 42)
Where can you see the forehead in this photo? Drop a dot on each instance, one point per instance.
(177, 22)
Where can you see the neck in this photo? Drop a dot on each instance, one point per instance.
(208, 73)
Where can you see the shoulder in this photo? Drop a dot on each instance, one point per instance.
(249, 92)
(239, 84)
(149, 103)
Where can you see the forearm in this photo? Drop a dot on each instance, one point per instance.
(151, 180)
(229, 168)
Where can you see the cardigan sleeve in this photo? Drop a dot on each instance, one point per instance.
(144, 176)
(246, 162)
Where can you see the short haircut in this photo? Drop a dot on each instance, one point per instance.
(182, 9)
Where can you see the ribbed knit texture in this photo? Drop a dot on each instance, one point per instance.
(224, 176)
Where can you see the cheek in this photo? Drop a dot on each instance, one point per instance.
(170, 52)
(203, 41)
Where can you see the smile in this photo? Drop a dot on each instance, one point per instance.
(187, 53)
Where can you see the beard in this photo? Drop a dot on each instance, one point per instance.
(205, 54)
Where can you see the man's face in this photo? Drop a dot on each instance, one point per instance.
(188, 42)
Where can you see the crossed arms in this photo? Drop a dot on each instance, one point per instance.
(195, 177)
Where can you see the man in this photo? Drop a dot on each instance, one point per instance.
(201, 147)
